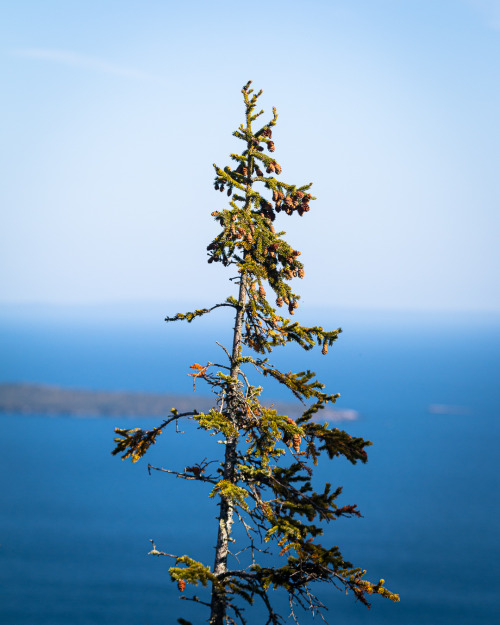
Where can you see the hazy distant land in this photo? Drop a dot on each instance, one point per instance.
(38, 399)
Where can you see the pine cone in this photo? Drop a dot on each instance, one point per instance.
(291, 421)
(279, 302)
(245, 171)
(296, 442)
(299, 194)
(275, 195)
(221, 188)
(301, 272)
(181, 585)
(281, 195)
(259, 172)
(230, 191)
(288, 201)
(260, 148)
(277, 167)
(270, 146)
(325, 349)
(262, 292)
(216, 187)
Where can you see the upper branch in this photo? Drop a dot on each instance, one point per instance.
(189, 316)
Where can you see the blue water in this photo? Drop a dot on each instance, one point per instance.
(75, 521)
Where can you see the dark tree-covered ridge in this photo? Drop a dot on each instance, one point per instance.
(264, 480)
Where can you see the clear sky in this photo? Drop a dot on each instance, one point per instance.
(113, 112)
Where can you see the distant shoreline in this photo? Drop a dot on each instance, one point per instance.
(56, 401)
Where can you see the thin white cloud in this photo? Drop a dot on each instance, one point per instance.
(72, 59)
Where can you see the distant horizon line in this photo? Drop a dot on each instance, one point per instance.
(150, 304)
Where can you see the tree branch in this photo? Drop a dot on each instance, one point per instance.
(184, 476)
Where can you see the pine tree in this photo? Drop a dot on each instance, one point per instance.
(264, 478)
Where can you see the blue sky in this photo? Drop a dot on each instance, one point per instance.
(114, 111)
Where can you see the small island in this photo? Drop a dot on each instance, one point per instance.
(57, 401)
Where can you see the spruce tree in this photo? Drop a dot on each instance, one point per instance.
(264, 480)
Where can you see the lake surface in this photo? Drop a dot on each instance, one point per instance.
(75, 522)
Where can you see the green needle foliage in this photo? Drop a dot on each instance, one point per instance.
(264, 480)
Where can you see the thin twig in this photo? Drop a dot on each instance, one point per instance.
(184, 476)
(227, 353)
(195, 599)
(155, 552)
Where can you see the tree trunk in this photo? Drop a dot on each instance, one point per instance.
(218, 604)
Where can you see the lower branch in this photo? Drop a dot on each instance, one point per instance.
(184, 476)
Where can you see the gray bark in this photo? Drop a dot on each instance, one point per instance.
(218, 603)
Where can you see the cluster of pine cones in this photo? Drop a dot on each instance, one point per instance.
(220, 187)
(296, 440)
(299, 202)
(242, 170)
(232, 232)
(273, 167)
(291, 305)
(266, 210)
(270, 144)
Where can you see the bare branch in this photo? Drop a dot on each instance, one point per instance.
(202, 311)
(194, 598)
(184, 476)
(155, 552)
(222, 346)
